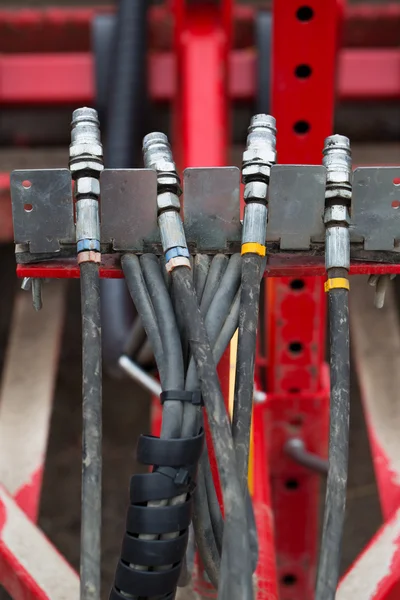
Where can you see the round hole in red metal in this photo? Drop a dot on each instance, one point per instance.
(289, 579)
(303, 71)
(396, 204)
(295, 347)
(26, 184)
(297, 284)
(301, 127)
(396, 181)
(291, 484)
(305, 13)
(28, 208)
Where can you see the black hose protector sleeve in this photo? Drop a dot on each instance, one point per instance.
(335, 500)
(157, 520)
(146, 583)
(149, 487)
(140, 296)
(252, 271)
(91, 429)
(116, 595)
(170, 453)
(172, 457)
(155, 552)
(236, 575)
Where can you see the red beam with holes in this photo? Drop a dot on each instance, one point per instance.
(68, 79)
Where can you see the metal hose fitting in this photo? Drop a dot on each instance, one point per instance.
(157, 155)
(258, 158)
(337, 160)
(86, 164)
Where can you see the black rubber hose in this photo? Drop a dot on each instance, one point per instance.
(127, 85)
(202, 263)
(221, 300)
(91, 432)
(140, 296)
(236, 573)
(203, 529)
(173, 358)
(125, 122)
(253, 267)
(335, 500)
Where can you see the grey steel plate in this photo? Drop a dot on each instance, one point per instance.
(129, 208)
(376, 208)
(296, 206)
(212, 207)
(42, 208)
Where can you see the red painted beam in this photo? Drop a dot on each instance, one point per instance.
(278, 266)
(69, 29)
(63, 79)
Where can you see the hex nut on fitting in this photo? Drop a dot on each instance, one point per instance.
(168, 201)
(87, 186)
(338, 213)
(255, 190)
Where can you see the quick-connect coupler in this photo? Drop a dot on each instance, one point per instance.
(86, 164)
(258, 158)
(157, 155)
(337, 160)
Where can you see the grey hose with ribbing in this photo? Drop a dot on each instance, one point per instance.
(236, 574)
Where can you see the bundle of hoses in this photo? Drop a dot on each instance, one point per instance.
(190, 308)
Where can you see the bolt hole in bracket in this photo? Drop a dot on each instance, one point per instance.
(42, 209)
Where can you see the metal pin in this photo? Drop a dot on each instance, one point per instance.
(37, 293)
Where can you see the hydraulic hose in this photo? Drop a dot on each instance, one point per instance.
(236, 578)
(337, 159)
(140, 296)
(86, 163)
(253, 268)
(91, 432)
(259, 156)
(125, 108)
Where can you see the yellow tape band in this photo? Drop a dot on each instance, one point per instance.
(254, 248)
(337, 283)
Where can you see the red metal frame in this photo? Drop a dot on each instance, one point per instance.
(211, 63)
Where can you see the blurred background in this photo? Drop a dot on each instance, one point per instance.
(38, 137)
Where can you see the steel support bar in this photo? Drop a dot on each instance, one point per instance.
(69, 78)
(375, 575)
(30, 567)
(26, 395)
(296, 308)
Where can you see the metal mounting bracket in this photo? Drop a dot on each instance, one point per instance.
(212, 207)
(129, 209)
(296, 206)
(376, 208)
(42, 209)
